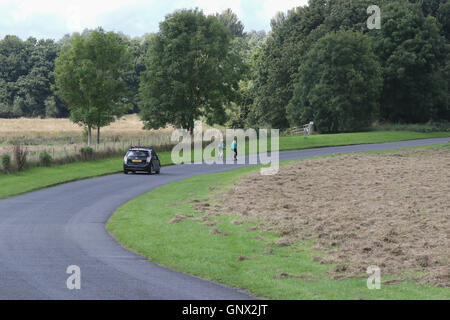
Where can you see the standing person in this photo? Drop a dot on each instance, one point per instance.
(234, 148)
(221, 148)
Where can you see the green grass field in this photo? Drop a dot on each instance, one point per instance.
(142, 226)
(341, 139)
(38, 178)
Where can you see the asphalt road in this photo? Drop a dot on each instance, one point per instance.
(44, 232)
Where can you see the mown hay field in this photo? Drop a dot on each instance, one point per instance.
(388, 210)
(129, 126)
(62, 138)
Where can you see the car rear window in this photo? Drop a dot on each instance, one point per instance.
(138, 153)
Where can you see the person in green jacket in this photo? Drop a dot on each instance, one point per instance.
(234, 148)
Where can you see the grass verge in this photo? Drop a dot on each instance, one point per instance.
(38, 178)
(239, 259)
(42, 177)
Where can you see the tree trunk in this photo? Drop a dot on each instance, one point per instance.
(89, 135)
(98, 135)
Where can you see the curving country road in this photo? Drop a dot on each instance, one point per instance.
(43, 232)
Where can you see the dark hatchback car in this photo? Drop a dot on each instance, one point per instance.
(142, 159)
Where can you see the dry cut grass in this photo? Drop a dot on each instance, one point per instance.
(63, 139)
(388, 210)
(128, 126)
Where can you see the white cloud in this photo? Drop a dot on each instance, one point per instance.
(272, 7)
(77, 14)
(50, 18)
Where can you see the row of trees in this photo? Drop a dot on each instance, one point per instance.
(191, 69)
(26, 77)
(320, 63)
(27, 82)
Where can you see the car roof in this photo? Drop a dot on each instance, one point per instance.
(140, 148)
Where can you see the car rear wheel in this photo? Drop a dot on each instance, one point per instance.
(151, 169)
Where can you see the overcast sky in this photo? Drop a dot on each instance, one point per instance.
(53, 19)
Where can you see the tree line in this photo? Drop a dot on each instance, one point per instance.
(27, 81)
(26, 77)
(322, 63)
(319, 63)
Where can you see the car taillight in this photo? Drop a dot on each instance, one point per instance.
(125, 159)
(148, 159)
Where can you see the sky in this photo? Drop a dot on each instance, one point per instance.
(52, 19)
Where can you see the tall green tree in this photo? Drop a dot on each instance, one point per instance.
(412, 46)
(443, 16)
(347, 15)
(413, 54)
(429, 7)
(191, 72)
(246, 47)
(339, 84)
(230, 20)
(279, 59)
(138, 48)
(89, 78)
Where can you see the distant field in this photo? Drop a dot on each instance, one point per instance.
(62, 138)
(36, 128)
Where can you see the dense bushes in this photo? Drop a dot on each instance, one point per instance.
(20, 156)
(45, 158)
(21, 161)
(86, 153)
(6, 163)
